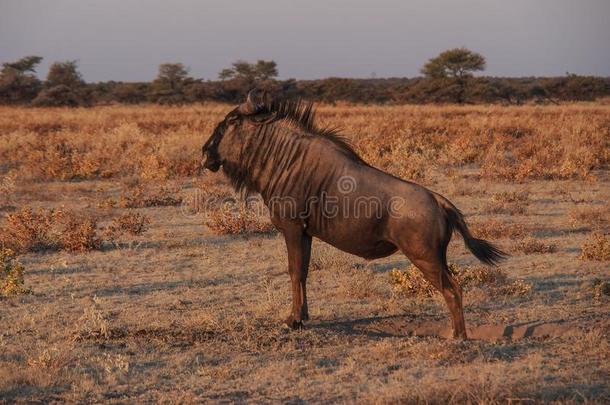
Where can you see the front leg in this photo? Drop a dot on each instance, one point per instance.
(298, 245)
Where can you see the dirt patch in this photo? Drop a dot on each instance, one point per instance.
(487, 332)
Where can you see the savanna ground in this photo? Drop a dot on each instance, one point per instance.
(127, 279)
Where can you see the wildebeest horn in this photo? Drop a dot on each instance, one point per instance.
(249, 107)
(249, 97)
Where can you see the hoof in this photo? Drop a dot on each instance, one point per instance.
(460, 336)
(293, 323)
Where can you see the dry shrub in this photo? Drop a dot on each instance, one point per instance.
(141, 197)
(531, 245)
(548, 152)
(94, 322)
(506, 202)
(601, 288)
(230, 220)
(496, 229)
(596, 248)
(409, 158)
(79, 233)
(471, 276)
(492, 278)
(511, 197)
(7, 189)
(156, 142)
(594, 217)
(412, 282)
(28, 230)
(516, 287)
(11, 274)
(206, 197)
(132, 223)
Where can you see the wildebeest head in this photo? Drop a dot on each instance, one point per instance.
(225, 142)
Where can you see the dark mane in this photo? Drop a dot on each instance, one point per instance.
(302, 114)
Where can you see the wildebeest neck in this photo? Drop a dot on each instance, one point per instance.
(280, 159)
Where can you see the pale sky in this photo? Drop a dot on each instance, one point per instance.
(126, 40)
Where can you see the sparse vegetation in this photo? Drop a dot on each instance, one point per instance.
(593, 217)
(11, 274)
(227, 219)
(531, 245)
(494, 229)
(596, 248)
(601, 288)
(508, 203)
(411, 282)
(79, 233)
(157, 143)
(29, 230)
(448, 79)
(7, 189)
(132, 223)
(135, 300)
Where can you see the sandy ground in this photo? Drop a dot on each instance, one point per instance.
(180, 314)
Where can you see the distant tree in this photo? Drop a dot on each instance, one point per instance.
(18, 82)
(226, 73)
(24, 65)
(265, 70)
(455, 67)
(56, 96)
(65, 73)
(64, 86)
(458, 63)
(129, 93)
(251, 72)
(244, 69)
(170, 84)
(172, 75)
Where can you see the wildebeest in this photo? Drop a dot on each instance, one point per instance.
(316, 185)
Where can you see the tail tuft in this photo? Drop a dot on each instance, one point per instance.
(485, 251)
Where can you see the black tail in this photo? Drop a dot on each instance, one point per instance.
(483, 250)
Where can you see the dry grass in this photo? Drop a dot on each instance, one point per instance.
(508, 202)
(531, 245)
(411, 282)
(29, 230)
(168, 311)
(139, 196)
(132, 223)
(515, 143)
(601, 289)
(7, 189)
(495, 229)
(11, 274)
(597, 247)
(593, 217)
(228, 219)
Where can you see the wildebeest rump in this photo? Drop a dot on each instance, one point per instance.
(316, 185)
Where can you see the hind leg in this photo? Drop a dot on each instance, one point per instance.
(437, 273)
